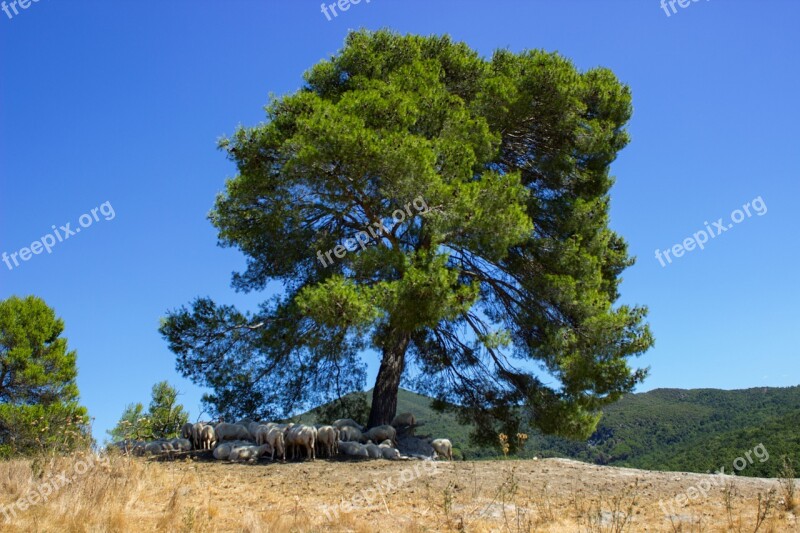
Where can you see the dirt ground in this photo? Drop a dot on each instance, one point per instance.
(131, 494)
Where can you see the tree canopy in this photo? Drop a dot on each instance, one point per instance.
(39, 408)
(499, 298)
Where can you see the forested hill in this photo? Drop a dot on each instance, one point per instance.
(697, 430)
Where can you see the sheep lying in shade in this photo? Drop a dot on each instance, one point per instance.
(353, 449)
(180, 445)
(443, 447)
(248, 453)
(225, 431)
(389, 453)
(223, 451)
(373, 450)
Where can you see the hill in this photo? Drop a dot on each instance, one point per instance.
(698, 430)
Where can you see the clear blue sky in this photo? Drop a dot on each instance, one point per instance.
(124, 101)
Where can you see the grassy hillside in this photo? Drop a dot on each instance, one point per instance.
(697, 430)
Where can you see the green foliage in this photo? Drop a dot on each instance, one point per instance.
(39, 410)
(511, 266)
(163, 419)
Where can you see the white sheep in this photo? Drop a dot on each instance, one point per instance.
(225, 431)
(443, 447)
(347, 422)
(392, 454)
(223, 451)
(248, 453)
(197, 429)
(373, 450)
(327, 437)
(186, 431)
(353, 449)
(404, 419)
(157, 447)
(181, 445)
(208, 438)
(301, 436)
(275, 439)
(381, 433)
(245, 422)
(252, 427)
(350, 434)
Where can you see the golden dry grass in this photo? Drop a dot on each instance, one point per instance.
(131, 494)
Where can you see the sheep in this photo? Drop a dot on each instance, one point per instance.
(443, 447)
(327, 437)
(353, 449)
(248, 453)
(223, 451)
(260, 433)
(381, 433)
(392, 454)
(245, 422)
(345, 422)
(186, 431)
(208, 438)
(301, 436)
(404, 419)
(181, 445)
(276, 441)
(373, 451)
(252, 427)
(196, 430)
(386, 444)
(225, 431)
(157, 447)
(350, 434)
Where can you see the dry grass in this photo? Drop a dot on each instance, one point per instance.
(129, 494)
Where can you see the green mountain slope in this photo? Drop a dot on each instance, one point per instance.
(697, 430)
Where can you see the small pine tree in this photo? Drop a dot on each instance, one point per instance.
(163, 419)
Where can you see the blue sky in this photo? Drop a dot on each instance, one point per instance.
(123, 102)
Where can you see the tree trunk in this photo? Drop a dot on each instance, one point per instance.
(384, 395)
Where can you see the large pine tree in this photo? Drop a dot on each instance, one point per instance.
(499, 298)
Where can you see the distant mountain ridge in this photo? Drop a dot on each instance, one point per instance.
(694, 430)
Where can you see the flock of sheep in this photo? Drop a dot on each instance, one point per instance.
(247, 440)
